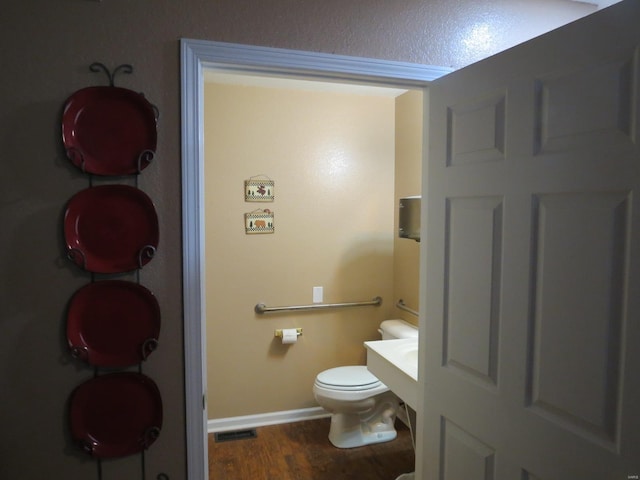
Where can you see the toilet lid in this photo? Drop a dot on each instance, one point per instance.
(351, 376)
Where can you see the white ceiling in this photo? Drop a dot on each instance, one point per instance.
(598, 3)
(250, 79)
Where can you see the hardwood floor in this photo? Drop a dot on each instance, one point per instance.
(302, 451)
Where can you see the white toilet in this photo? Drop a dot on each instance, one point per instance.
(363, 410)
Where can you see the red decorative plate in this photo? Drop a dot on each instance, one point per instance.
(111, 229)
(116, 415)
(109, 130)
(113, 323)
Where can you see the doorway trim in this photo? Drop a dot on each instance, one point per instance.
(196, 57)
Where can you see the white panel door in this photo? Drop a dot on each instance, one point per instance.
(531, 343)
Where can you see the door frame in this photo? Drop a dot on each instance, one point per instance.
(197, 56)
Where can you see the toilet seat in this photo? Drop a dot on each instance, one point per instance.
(352, 383)
(350, 378)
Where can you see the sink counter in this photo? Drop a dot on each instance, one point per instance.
(395, 363)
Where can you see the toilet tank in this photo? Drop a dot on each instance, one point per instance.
(390, 329)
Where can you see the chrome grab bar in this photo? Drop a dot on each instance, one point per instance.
(402, 306)
(261, 308)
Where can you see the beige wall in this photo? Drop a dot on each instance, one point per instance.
(331, 156)
(340, 162)
(47, 47)
(408, 175)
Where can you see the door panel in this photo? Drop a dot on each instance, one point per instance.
(473, 256)
(532, 276)
(476, 130)
(579, 386)
(565, 99)
(464, 456)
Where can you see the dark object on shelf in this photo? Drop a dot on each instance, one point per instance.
(109, 130)
(113, 323)
(111, 229)
(116, 415)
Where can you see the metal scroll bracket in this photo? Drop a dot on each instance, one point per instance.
(98, 67)
(77, 256)
(261, 308)
(146, 253)
(101, 67)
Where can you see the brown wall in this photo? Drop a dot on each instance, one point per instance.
(47, 47)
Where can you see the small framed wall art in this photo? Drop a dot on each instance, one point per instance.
(259, 189)
(259, 221)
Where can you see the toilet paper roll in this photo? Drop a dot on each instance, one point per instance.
(289, 335)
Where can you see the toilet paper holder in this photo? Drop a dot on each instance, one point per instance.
(278, 333)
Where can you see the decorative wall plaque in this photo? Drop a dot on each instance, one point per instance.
(259, 221)
(259, 189)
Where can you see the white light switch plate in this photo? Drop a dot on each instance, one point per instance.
(317, 295)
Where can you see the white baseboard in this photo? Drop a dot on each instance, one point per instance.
(262, 419)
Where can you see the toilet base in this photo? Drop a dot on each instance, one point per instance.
(350, 430)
